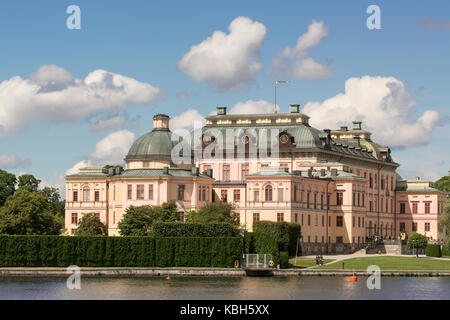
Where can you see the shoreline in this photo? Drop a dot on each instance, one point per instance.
(204, 272)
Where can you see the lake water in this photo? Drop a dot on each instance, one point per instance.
(227, 288)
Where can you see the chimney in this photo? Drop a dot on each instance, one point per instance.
(328, 132)
(221, 110)
(357, 125)
(358, 140)
(195, 171)
(344, 128)
(322, 172)
(294, 108)
(310, 172)
(209, 173)
(117, 171)
(111, 171)
(334, 172)
(166, 170)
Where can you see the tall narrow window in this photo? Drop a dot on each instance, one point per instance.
(180, 192)
(97, 196)
(236, 195)
(255, 216)
(86, 194)
(150, 192)
(256, 195)
(140, 192)
(244, 171)
(315, 200)
(130, 192)
(414, 226)
(74, 218)
(427, 226)
(321, 201)
(280, 194)
(307, 199)
(339, 197)
(226, 172)
(414, 207)
(339, 221)
(402, 207)
(268, 193)
(204, 194)
(224, 195)
(427, 207)
(75, 196)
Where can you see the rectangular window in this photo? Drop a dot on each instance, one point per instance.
(97, 196)
(359, 222)
(359, 198)
(315, 200)
(114, 217)
(309, 219)
(203, 195)
(180, 192)
(339, 240)
(75, 196)
(414, 207)
(363, 200)
(226, 172)
(339, 197)
(402, 207)
(140, 192)
(256, 195)
(244, 171)
(370, 181)
(323, 221)
(296, 217)
(321, 201)
(255, 216)
(339, 221)
(370, 206)
(280, 216)
(427, 226)
(307, 200)
(236, 195)
(354, 198)
(224, 195)
(74, 218)
(427, 207)
(86, 194)
(402, 227)
(130, 192)
(414, 226)
(354, 221)
(150, 192)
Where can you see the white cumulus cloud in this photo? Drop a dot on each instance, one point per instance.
(109, 124)
(384, 106)
(13, 161)
(252, 107)
(188, 120)
(52, 94)
(228, 61)
(110, 150)
(295, 61)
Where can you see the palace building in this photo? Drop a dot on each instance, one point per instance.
(339, 185)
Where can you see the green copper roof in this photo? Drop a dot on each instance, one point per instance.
(158, 173)
(156, 144)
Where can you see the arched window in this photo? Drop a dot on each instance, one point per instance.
(268, 192)
(86, 193)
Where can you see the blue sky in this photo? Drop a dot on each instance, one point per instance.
(145, 40)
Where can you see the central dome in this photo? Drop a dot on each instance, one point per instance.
(156, 144)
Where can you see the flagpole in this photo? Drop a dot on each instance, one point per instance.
(275, 85)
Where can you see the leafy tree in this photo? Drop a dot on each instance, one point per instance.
(29, 181)
(114, 167)
(90, 225)
(216, 212)
(138, 221)
(54, 198)
(417, 241)
(444, 221)
(7, 185)
(443, 183)
(28, 212)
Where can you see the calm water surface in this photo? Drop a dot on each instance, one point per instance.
(206, 288)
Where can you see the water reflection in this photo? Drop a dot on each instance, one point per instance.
(205, 288)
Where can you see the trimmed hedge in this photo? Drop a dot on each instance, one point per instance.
(446, 250)
(59, 251)
(286, 234)
(433, 250)
(284, 260)
(177, 229)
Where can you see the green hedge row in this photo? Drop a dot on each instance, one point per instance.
(60, 251)
(446, 250)
(433, 250)
(287, 234)
(177, 229)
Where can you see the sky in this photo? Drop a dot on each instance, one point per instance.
(73, 97)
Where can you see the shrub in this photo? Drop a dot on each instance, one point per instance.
(433, 250)
(417, 241)
(446, 249)
(286, 234)
(284, 260)
(249, 242)
(177, 229)
(59, 251)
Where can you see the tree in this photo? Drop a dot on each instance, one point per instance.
(216, 212)
(443, 183)
(7, 185)
(108, 166)
(29, 181)
(444, 221)
(90, 225)
(28, 212)
(417, 241)
(138, 221)
(54, 199)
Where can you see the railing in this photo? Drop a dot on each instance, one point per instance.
(258, 261)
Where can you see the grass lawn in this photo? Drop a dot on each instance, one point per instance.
(391, 263)
(305, 262)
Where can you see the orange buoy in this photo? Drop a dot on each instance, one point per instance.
(353, 279)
